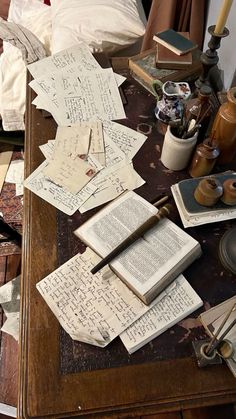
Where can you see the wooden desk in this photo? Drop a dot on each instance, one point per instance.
(130, 390)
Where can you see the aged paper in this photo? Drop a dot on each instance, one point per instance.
(72, 141)
(78, 55)
(127, 139)
(48, 98)
(54, 194)
(171, 306)
(10, 290)
(5, 158)
(47, 149)
(110, 183)
(94, 95)
(10, 301)
(113, 153)
(70, 173)
(11, 325)
(19, 189)
(15, 173)
(96, 305)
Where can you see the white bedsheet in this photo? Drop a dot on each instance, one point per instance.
(36, 17)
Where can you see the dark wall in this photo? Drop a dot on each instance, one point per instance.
(146, 6)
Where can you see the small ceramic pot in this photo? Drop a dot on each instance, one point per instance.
(229, 195)
(208, 192)
(176, 152)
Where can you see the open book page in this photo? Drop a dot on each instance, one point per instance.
(171, 306)
(110, 226)
(91, 308)
(162, 254)
(163, 250)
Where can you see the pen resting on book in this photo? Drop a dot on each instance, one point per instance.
(139, 232)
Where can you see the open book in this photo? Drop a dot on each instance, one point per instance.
(151, 263)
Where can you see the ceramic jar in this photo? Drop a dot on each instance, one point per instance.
(229, 195)
(224, 128)
(170, 107)
(208, 192)
(176, 152)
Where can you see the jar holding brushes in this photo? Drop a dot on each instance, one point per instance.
(182, 134)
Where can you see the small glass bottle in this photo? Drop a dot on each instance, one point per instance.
(204, 159)
(200, 109)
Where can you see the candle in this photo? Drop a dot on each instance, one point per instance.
(224, 12)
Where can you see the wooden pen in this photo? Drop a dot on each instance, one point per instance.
(139, 232)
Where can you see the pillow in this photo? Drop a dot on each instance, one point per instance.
(37, 18)
(104, 25)
(18, 7)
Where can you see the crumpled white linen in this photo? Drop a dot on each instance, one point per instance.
(104, 25)
(35, 16)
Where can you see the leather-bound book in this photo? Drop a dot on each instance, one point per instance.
(166, 58)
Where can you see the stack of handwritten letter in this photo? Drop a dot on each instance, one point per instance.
(90, 160)
(87, 164)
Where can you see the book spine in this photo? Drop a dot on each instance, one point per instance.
(136, 69)
(167, 45)
(172, 66)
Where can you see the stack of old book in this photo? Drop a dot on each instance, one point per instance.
(173, 49)
(175, 58)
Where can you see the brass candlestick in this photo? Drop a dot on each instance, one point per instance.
(210, 58)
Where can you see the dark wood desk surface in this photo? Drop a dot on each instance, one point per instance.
(112, 392)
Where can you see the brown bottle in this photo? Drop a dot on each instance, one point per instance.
(204, 159)
(200, 109)
(224, 128)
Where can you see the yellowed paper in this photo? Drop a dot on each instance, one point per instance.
(72, 141)
(5, 158)
(91, 308)
(71, 174)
